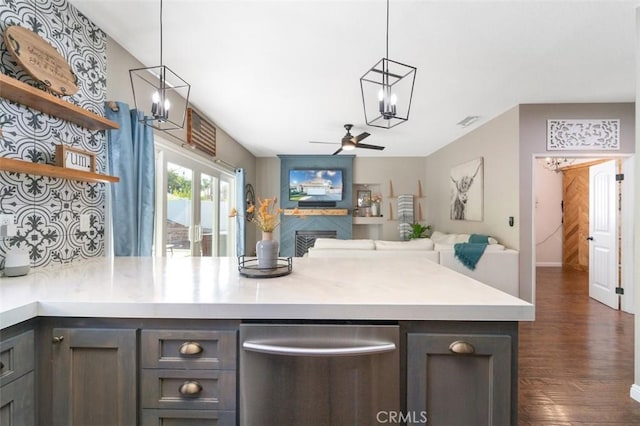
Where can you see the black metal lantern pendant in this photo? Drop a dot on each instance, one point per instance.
(160, 94)
(387, 90)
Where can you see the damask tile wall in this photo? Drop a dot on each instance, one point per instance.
(47, 210)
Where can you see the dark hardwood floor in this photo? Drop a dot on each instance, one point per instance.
(576, 358)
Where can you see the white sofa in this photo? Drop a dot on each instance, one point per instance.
(498, 266)
(332, 247)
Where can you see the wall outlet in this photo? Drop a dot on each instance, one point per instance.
(85, 222)
(7, 227)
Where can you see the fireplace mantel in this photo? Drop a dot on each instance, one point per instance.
(316, 212)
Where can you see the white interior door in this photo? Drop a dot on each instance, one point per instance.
(603, 234)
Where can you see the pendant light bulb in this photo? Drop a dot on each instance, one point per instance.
(167, 105)
(394, 99)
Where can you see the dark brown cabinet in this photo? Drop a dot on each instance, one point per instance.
(17, 401)
(459, 379)
(94, 374)
(188, 376)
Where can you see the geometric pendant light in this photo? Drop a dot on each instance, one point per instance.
(160, 94)
(387, 90)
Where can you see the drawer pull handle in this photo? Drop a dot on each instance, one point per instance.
(190, 388)
(190, 348)
(460, 347)
(58, 339)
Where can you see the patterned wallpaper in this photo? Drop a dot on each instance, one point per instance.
(47, 210)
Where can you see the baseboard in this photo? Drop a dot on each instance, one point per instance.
(549, 264)
(635, 392)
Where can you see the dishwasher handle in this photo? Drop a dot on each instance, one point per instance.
(365, 349)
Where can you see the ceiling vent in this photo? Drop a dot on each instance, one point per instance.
(468, 120)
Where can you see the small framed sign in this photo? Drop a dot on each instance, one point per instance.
(76, 159)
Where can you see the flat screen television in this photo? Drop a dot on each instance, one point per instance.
(315, 185)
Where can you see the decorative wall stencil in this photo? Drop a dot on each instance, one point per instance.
(47, 210)
(583, 135)
(467, 190)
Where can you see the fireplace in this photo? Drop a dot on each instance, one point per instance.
(306, 239)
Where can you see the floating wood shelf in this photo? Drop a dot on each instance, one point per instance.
(19, 166)
(372, 220)
(32, 97)
(317, 212)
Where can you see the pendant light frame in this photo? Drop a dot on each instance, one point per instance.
(383, 86)
(160, 94)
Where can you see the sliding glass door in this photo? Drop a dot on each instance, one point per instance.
(193, 202)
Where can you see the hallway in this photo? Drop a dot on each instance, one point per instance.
(576, 359)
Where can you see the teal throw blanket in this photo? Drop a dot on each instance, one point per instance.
(478, 238)
(469, 253)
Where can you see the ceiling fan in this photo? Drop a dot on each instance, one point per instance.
(350, 142)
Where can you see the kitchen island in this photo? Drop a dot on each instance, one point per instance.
(211, 288)
(180, 317)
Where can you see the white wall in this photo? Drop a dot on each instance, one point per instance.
(497, 142)
(548, 215)
(635, 390)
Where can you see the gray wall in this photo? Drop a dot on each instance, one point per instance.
(533, 142)
(227, 149)
(497, 142)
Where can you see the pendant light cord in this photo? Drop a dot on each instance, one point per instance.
(160, 32)
(387, 29)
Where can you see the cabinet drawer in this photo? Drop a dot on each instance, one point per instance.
(212, 389)
(189, 349)
(16, 356)
(188, 418)
(17, 404)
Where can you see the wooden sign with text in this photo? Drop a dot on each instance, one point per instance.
(41, 60)
(76, 159)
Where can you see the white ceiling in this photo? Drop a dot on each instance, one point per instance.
(277, 74)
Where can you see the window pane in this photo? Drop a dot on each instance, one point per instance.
(224, 238)
(208, 213)
(178, 222)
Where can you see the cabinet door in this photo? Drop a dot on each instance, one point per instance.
(94, 376)
(17, 405)
(455, 379)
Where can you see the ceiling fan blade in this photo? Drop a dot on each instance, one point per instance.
(328, 143)
(339, 149)
(361, 136)
(367, 146)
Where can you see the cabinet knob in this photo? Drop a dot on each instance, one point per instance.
(190, 348)
(460, 347)
(57, 339)
(190, 388)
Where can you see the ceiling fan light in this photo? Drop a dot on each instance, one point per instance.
(348, 145)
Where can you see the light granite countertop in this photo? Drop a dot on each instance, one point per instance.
(408, 288)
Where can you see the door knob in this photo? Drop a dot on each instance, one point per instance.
(590, 238)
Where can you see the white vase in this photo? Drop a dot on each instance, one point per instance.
(375, 209)
(267, 251)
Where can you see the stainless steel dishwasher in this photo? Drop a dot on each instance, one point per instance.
(310, 374)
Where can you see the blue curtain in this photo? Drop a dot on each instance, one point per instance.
(241, 207)
(131, 156)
